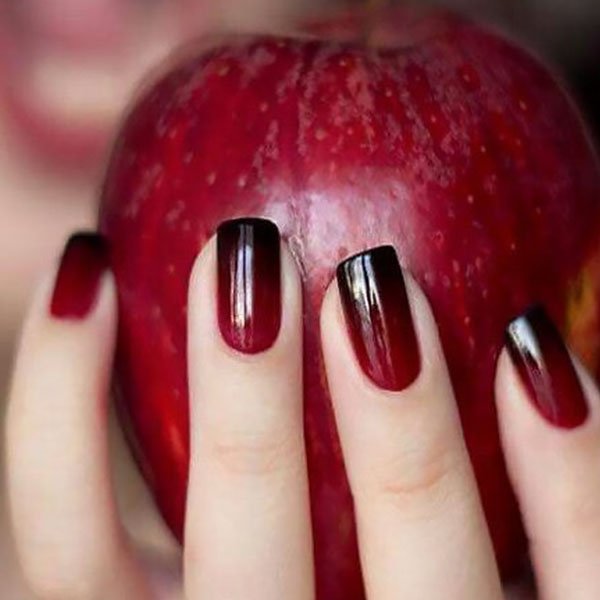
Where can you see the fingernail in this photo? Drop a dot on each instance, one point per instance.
(378, 317)
(83, 263)
(546, 369)
(249, 284)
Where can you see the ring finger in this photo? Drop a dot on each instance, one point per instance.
(421, 529)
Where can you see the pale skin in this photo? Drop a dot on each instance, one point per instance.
(422, 534)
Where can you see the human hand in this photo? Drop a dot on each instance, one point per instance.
(421, 529)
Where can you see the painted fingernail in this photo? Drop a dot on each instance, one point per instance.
(378, 317)
(546, 369)
(249, 284)
(84, 261)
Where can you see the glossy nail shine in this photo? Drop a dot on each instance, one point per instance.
(378, 316)
(84, 261)
(546, 369)
(249, 284)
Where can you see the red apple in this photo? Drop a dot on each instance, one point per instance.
(427, 132)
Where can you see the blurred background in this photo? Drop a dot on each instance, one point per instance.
(68, 68)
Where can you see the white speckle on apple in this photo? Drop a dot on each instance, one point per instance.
(211, 178)
(174, 213)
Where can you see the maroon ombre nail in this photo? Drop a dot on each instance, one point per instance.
(546, 369)
(83, 263)
(249, 284)
(378, 317)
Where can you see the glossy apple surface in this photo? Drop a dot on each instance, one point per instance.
(426, 132)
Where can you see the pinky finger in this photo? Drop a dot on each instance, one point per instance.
(69, 540)
(549, 416)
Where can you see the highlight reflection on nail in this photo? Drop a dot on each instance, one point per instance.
(249, 284)
(378, 316)
(546, 369)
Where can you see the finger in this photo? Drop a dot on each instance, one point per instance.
(69, 540)
(421, 529)
(550, 428)
(247, 526)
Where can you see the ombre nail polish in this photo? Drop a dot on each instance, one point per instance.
(546, 369)
(83, 263)
(378, 317)
(249, 284)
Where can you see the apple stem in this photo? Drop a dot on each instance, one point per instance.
(376, 5)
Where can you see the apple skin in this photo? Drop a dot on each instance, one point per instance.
(426, 132)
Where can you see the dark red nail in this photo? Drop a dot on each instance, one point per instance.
(546, 369)
(83, 263)
(249, 284)
(378, 317)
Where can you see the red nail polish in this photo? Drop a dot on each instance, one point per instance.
(377, 311)
(546, 369)
(83, 263)
(249, 284)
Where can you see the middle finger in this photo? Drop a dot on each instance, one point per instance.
(248, 532)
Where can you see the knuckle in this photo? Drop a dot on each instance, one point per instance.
(64, 576)
(419, 480)
(579, 519)
(256, 453)
(46, 585)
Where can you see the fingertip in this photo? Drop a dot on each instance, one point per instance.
(201, 289)
(505, 381)
(291, 286)
(431, 371)
(331, 319)
(202, 278)
(430, 348)
(590, 390)
(203, 302)
(106, 304)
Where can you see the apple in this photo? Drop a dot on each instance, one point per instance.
(420, 130)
